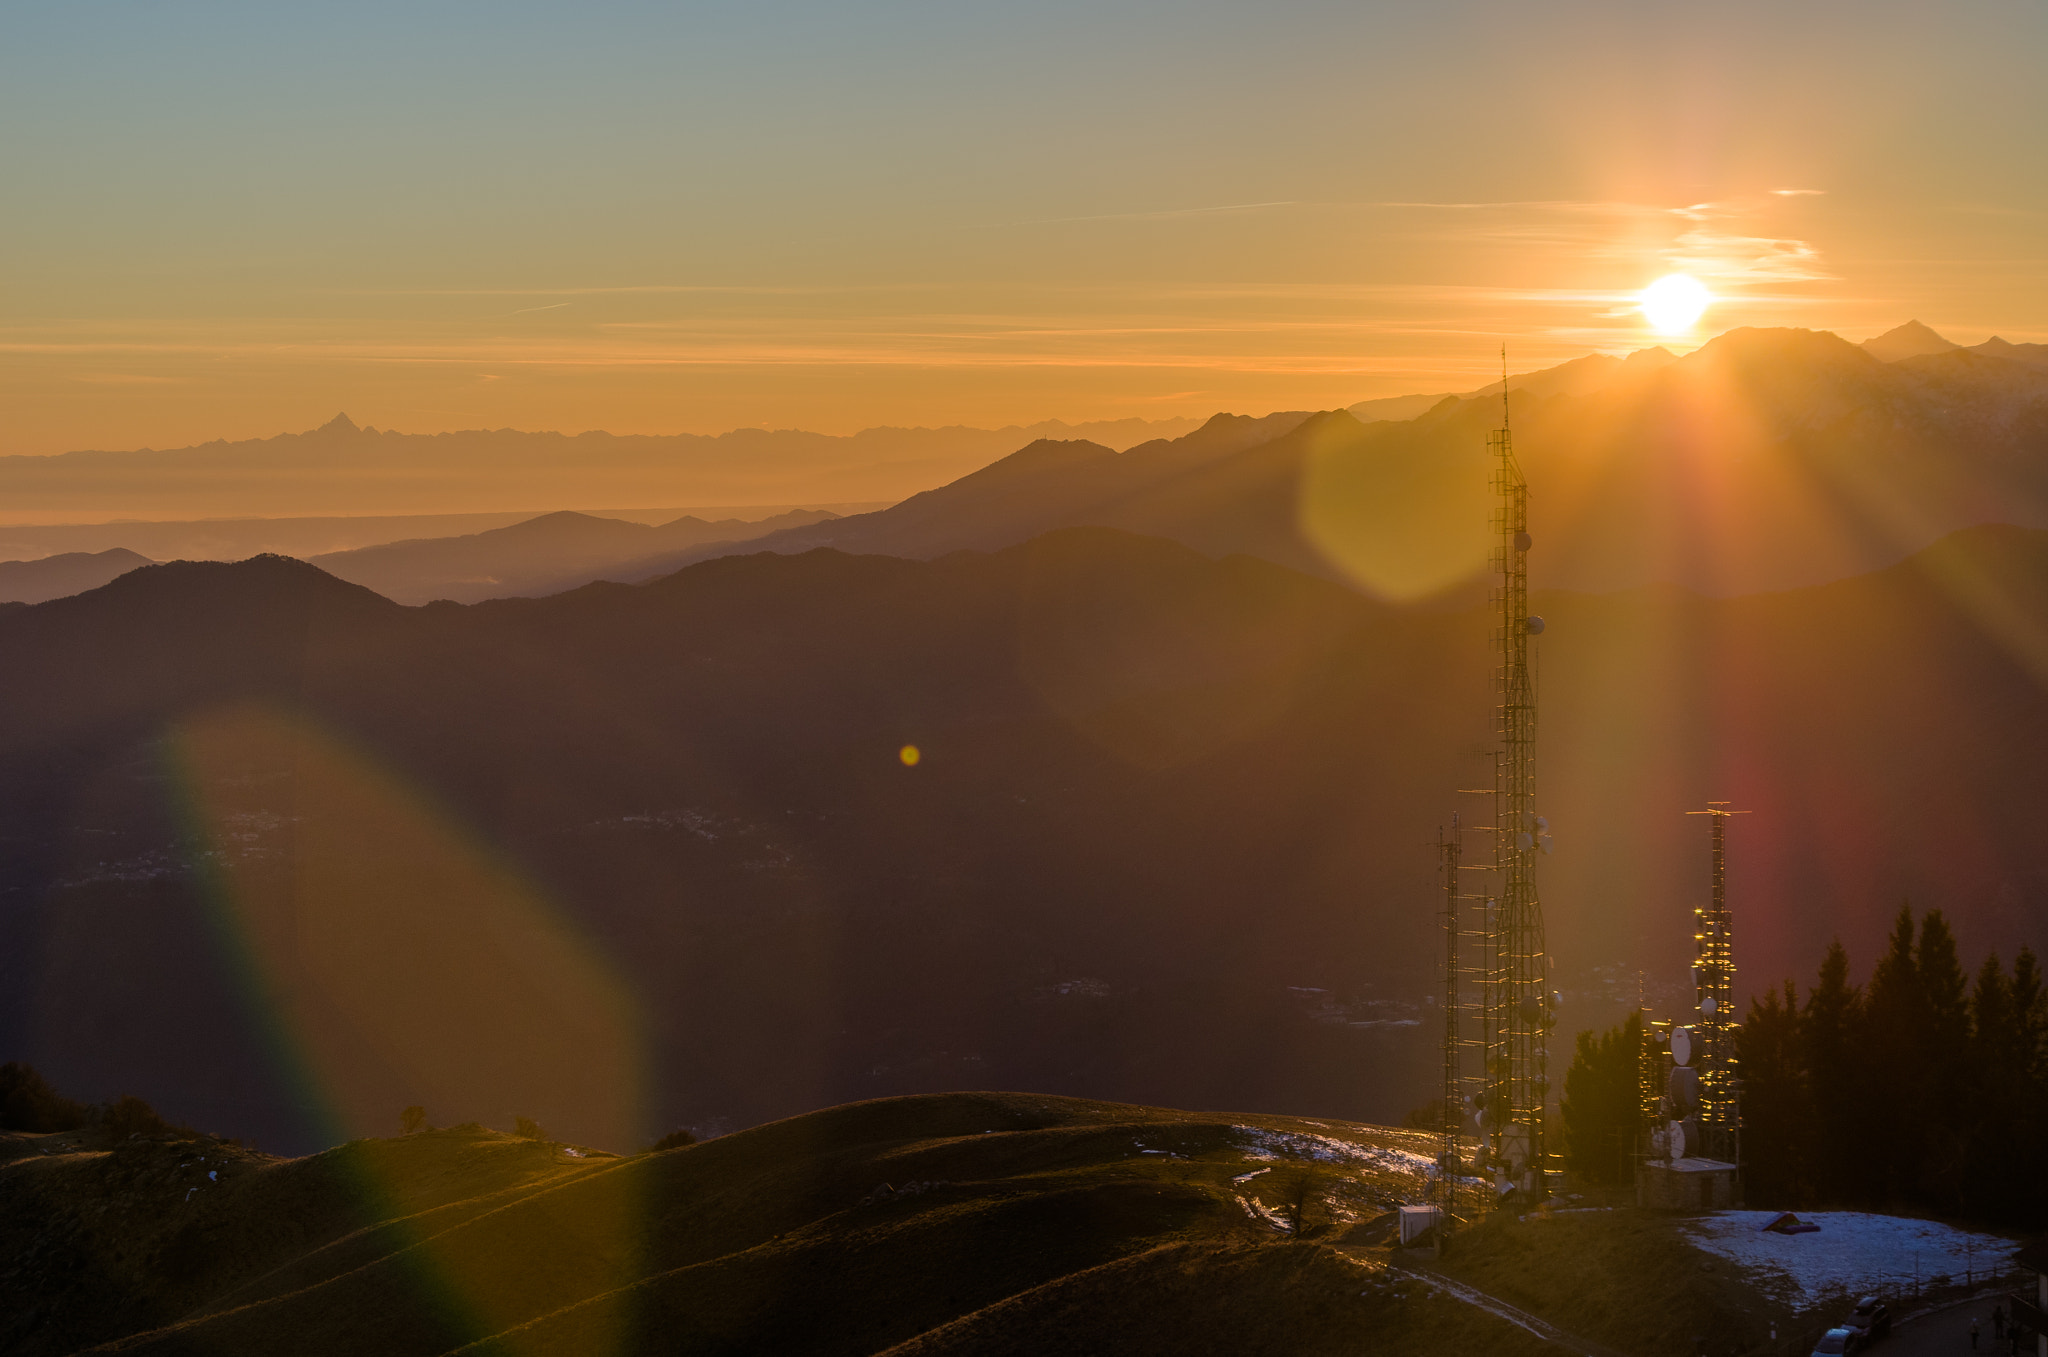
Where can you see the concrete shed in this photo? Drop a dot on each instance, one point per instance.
(1685, 1184)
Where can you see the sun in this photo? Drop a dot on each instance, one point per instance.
(1674, 302)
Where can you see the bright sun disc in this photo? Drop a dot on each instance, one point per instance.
(1674, 302)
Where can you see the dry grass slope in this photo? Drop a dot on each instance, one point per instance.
(935, 1224)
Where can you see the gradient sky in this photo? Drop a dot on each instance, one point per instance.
(229, 220)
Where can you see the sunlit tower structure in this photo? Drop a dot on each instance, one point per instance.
(1714, 981)
(1449, 1158)
(1519, 1004)
(1466, 974)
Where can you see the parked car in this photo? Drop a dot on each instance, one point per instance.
(1871, 1317)
(1839, 1342)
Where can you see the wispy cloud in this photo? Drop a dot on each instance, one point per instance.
(1160, 215)
(1711, 250)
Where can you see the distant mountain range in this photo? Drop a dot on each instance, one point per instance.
(1914, 340)
(1165, 838)
(340, 468)
(1767, 459)
(1579, 377)
(237, 539)
(72, 572)
(543, 555)
(1764, 460)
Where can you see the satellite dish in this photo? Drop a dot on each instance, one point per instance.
(1534, 625)
(1684, 1086)
(1548, 844)
(1681, 1045)
(1708, 1004)
(1524, 841)
(1523, 541)
(1674, 1140)
(1541, 824)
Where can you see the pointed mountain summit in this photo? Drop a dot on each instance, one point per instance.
(1910, 340)
(339, 425)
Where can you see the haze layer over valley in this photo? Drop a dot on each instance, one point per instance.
(1160, 836)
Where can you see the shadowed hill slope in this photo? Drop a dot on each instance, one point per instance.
(284, 856)
(959, 1223)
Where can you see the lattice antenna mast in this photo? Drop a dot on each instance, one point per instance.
(1519, 1002)
(1448, 1159)
(1714, 980)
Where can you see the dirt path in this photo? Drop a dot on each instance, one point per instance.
(1493, 1305)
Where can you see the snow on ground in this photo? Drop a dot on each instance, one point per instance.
(1263, 1144)
(1853, 1253)
(1259, 1143)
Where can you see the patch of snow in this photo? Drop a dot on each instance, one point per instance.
(1262, 1144)
(1247, 1177)
(1257, 1211)
(1853, 1253)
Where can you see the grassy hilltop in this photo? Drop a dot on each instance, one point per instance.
(957, 1223)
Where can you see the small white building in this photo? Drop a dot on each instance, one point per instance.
(1685, 1184)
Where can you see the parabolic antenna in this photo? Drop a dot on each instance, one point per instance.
(1708, 1004)
(1681, 1045)
(1684, 1086)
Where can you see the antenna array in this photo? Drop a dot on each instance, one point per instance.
(1714, 981)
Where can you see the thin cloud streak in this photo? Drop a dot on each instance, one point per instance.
(1150, 216)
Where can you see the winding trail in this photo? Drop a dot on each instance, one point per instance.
(1500, 1309)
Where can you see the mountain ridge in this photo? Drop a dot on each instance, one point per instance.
(1828, 463)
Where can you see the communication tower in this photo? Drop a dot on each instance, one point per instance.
(1714, 980)
(1520, 1006)
(1449, 1159)
(1467, 973)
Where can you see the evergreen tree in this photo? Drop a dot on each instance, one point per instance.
(1943, 1096)
(1777, 1105)
(1889, 1094)
(1827, 1036)
(1991, 1105)
(2028, 1075)
(1601, 1108)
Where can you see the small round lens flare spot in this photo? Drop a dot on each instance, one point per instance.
(1674, 303)
(910, 754)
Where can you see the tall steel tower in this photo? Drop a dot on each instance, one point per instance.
(1449, 1160)
(1714, 979)
(1519, 1000)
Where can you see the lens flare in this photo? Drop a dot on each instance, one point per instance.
(1674, 303)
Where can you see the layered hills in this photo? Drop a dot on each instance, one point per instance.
(236, 539)
(284, 856)
(976, 1223)
(543, 555)
(343, 468)
(1764, 460)
(70, 572)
